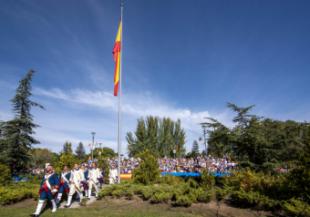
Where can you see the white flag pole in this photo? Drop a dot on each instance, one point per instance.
(119, 129)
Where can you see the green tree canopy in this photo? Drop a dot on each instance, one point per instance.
(160, 136)
(66, 159)
(80, 151)
(262, 142)
(104, 152)
(67, 148)
(17, 134)
(148, 170)
(195, 150)
(40, 156)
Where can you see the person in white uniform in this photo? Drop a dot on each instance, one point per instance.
(93, 179)
(113, 174)
(77, 176)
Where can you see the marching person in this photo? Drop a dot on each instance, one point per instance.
(85, 171)
(76, 179)
(101, 179)
(64, 183)
(113, 174)
(48, 188)
(94, 176)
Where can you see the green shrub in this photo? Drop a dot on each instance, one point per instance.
(17, 192)
(192, 183)
(109, 189)
(221, 193)
(160, 197)
(245, 180)
(106, 191)
(247, 165)
(148, 171)
(129, 193)
(203, 196)
(170, 180)
(162, 188)
(296, 208)
(207, 181)
(104, 165)
(118, 193)
(182, 200)
(147, 193)
(5, 174)
(186, 190)
(253, 199)
(298, 181)
(137, 189)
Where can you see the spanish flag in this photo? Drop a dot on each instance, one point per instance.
(117, 58)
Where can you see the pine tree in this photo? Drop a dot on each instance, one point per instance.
(195, 149)
(80, 151)
(18, 133)
(67, 148)
(137, 143)
(148, 170)
(179, 139)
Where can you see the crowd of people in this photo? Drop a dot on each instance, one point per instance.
(196, 164)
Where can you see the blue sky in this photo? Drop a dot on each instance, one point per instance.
(183, 59)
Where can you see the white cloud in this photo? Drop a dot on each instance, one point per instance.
(5, 116)
(133, 107)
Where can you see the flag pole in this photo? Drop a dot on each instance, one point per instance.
(119, 102)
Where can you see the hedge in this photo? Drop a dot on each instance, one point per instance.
(182, 194)
(17, 192)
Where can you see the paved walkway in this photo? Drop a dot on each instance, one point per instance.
(76, 204)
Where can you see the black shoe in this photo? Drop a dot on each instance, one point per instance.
(66, 206)
(34, 215)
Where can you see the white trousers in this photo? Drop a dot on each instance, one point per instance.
(74, 189)
(40, 207)
(92, 184)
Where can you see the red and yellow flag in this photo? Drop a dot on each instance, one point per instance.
(117, 58)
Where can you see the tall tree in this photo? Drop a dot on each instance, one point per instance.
(195, 149)
(262, 143)
(67, 148)
(104, 152)
(179, 139)
(243, 117)
(219, 143)
(80, 151)
(40, 156)
(18, 133)
(3, 156)
(160, 136)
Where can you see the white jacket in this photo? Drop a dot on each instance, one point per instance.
(76, 177)
(113, 176)
(94, 175)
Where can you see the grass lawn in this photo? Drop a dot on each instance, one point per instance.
(129, 208)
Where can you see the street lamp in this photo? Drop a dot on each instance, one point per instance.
(92, 147)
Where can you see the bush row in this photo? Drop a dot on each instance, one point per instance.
(16, 192)
(183, 194)
(249, 189)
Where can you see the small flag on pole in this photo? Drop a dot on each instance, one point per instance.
(117, 58)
